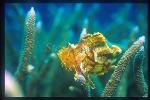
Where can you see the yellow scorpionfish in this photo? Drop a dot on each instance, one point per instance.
(91, 55)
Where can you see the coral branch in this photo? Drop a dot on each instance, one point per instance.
(140, 81)
(88, 90)
(27, 51)
(40, 75)
(116, 76)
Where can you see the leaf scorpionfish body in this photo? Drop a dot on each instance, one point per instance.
(91, 55)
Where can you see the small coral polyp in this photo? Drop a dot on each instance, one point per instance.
(91, 55)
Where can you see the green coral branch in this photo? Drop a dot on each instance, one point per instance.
(37, 76)
(121, 66)
(123, 84)
(27, 51)
(88, 90)
(139, 76)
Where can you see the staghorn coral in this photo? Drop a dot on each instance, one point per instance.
(121, 66)
(139, 77)
(38, 76)
(88, 90)
(124, 84)
(27, 51)
(91, 55)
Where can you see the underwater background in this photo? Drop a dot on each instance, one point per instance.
(58, 24)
